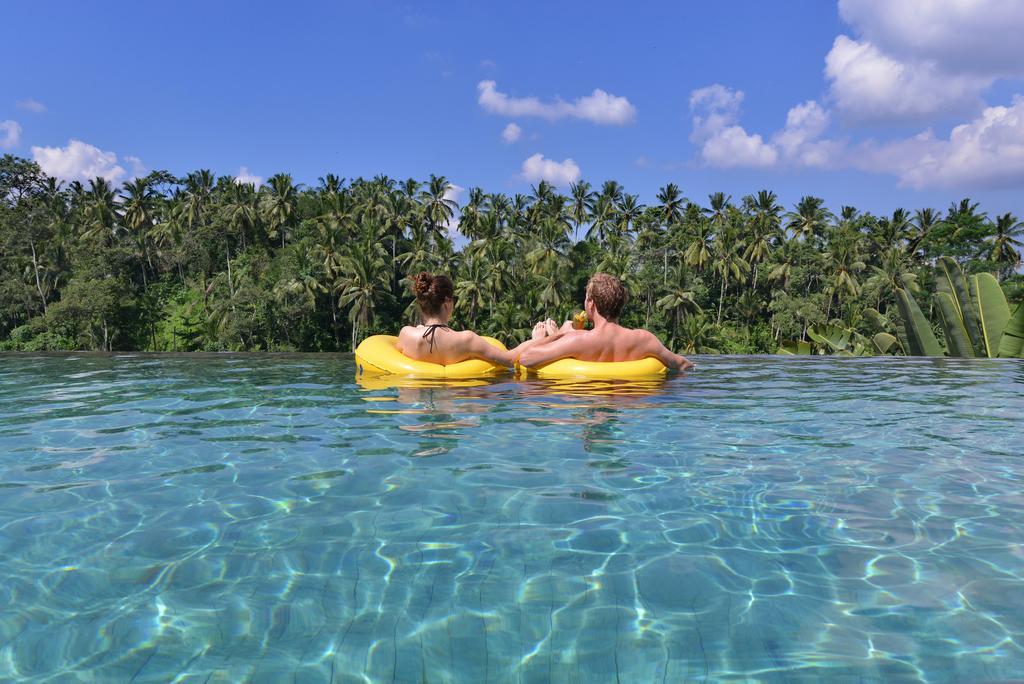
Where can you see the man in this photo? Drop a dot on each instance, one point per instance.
(608, 341)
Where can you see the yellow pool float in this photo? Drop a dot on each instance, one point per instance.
(649, 367)
(379, 355)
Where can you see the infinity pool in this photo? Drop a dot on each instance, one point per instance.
(223, 518)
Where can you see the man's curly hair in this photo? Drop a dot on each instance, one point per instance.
(608, 294)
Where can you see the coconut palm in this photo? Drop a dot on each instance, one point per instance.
(924, 222)
(1004, 242)
(279, 202)
(729, 264)
(138, 206)
(363, 286)
(810, 218)
(438, 207)
(671, 204)
(100, 212)
(582, 205)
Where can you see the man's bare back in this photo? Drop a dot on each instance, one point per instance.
(608, 341)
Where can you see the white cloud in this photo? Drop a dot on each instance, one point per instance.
(869, 85)
(538, 167)
(987, 151)
(714, 108)
(30, 105)
(599, 107)
(79, 161)
(723, 143)
(511, 133)
(487, 64)
(910, 60)
(982, 37)
(800, 143)
(733, 146)
(10, 134)
(138, 168)
(244, 176)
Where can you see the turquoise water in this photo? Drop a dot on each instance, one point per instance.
(262, 517)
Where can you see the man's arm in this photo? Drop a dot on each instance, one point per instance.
(553, 348)
(654, 347)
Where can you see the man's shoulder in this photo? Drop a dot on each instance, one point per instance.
(638, 334)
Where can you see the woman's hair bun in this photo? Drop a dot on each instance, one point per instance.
(431, 291)
(422, 284)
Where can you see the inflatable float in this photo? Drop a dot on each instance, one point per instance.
(379, 355)
(598, 370)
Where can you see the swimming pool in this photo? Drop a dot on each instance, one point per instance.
(217, 518)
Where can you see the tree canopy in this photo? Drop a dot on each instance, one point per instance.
(167, 263)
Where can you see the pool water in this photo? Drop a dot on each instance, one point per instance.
(264, 518)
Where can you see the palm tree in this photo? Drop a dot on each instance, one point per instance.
(764, 229)
(679, 301)
(891, 274)
(138, 204)
(363, 286)
(548, 259)
(698, 253)
(924, 222)
(628, 211)
(279, 202)
(438, 208)
(1004, 243)
(717, 212)
(100, 211)
(671, 204)
(728, 264)
(699, 335)
(845, 264)
(198, 192)
(582, 206)
(470, 287)
(809, 219)
(242, 209)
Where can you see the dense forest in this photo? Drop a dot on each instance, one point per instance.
(164, 263)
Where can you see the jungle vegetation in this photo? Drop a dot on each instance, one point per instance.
(201, 262)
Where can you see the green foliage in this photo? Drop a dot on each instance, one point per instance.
(204, 263)
(920, 336)
(993, 310)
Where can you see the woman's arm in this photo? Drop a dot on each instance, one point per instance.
(560, 346)
(479, 348)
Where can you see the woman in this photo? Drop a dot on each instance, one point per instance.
(432, 340)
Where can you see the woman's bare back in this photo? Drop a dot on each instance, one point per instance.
(440, 344)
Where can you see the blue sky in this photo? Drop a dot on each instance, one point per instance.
(852, 100)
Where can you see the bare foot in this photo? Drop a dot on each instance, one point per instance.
(540, 331)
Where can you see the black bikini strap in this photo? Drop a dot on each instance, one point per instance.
(431, 330)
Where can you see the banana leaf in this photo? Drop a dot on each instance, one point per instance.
(795, 348)
(878, 321)
(957, 341)
(993, 311)
(835, 338)
(1012, 343)
(920, 338)
(883, 342)
(952, 281)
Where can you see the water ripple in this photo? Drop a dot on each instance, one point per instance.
(223, 518)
